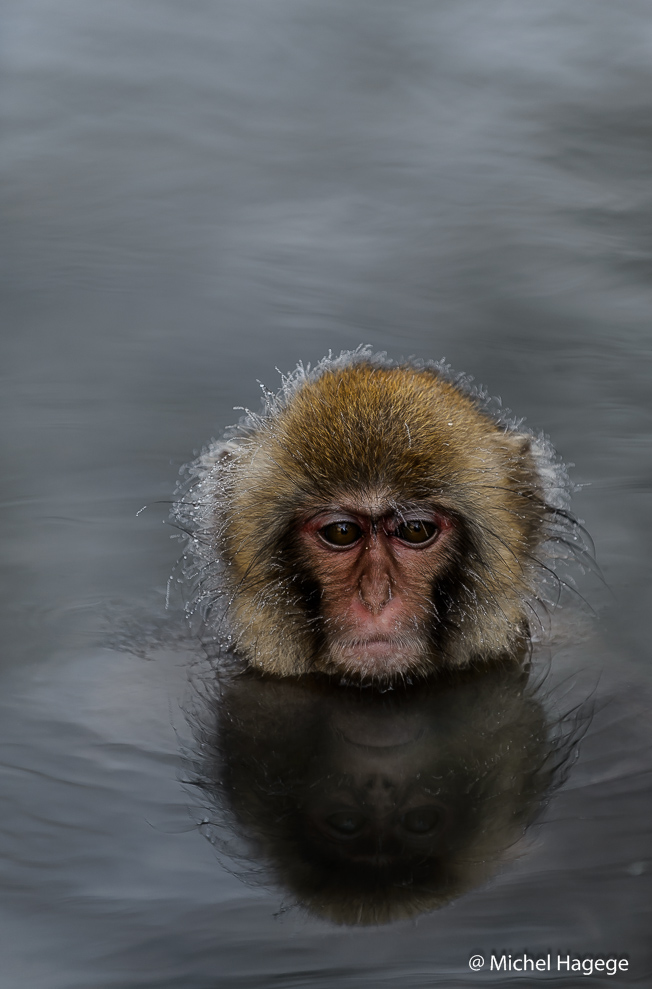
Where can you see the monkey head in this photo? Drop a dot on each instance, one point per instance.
(374, 520)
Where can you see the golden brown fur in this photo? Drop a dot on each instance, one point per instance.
(391, 437)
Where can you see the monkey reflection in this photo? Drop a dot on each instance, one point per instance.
(369, 806)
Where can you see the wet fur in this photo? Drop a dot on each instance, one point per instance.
(400, 434)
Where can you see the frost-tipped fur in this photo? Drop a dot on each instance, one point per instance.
(413, 433)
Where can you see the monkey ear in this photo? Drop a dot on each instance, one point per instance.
(228, 451)
(222, 452)
(519, 444)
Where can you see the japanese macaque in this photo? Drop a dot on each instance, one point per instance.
(369, 806)
(375, 521)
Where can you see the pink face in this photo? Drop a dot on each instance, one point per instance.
(376, 574)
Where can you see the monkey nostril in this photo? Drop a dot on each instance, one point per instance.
(375, 594)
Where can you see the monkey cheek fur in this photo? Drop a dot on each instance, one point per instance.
(403, 433)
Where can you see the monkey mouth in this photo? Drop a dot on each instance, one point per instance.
(377, 645)
(382, 655)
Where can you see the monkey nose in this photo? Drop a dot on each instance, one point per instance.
(375, 592)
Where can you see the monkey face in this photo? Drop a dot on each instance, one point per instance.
(368, 812)
(375, 567)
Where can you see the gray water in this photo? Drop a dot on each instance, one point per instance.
(195, 194)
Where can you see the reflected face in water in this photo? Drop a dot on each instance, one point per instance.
(372, 806)
(371, 810)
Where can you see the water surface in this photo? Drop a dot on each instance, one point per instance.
(195, 194)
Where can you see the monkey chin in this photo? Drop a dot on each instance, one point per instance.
(377, 659)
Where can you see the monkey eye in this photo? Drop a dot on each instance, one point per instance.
(346, 822)
(421, 820)
(341, 533)
(416, 531)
